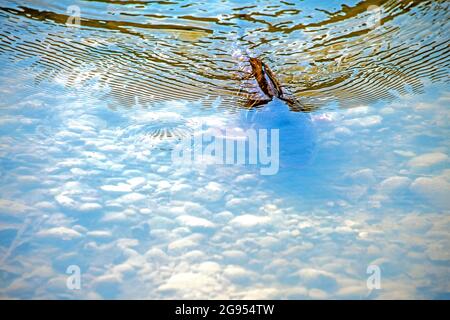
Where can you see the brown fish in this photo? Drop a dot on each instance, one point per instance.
(270, 86)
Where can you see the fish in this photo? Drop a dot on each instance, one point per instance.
(271, 108)
(270, 87)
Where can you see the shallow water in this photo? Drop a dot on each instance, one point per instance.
(90, 115)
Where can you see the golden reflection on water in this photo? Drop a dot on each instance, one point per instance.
(144, 52)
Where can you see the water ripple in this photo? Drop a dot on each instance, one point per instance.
(155, 51)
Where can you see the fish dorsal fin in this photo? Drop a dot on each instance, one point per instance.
(273, 80)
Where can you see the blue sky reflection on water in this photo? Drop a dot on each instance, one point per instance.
(84, 184)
